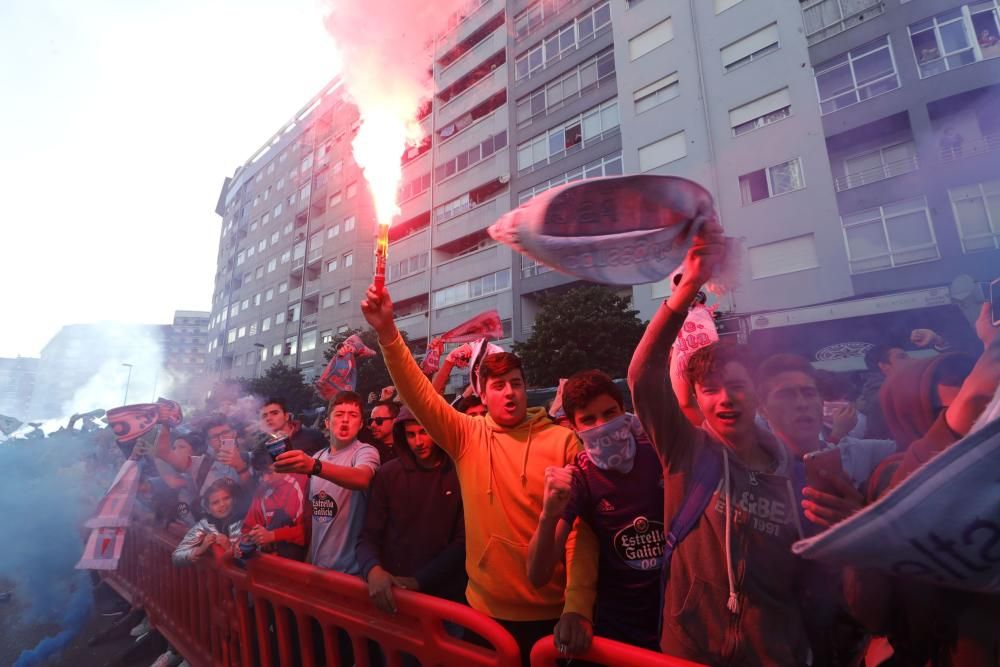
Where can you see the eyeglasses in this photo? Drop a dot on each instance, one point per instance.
(378, 420)
(222, 436)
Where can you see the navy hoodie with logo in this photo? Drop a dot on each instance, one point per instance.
(414, 525)
(732, 601)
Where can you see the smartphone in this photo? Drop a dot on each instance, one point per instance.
(826, 460)
(995, 302)
(228, 445)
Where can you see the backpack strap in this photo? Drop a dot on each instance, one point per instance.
(203, 470)
(704, 480)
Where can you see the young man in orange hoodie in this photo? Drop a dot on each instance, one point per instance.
(501, 460)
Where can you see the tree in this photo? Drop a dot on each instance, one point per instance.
(281, 381)
(585, 327)
(372, 373)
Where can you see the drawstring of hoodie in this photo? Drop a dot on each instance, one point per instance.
(524, 461)
(733, 605)
(795, 507)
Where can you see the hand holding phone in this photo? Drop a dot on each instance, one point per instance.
(821, 466)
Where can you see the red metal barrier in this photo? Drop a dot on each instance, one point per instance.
(280, 612)
(606, 652)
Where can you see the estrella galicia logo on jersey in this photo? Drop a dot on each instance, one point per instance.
(641, 544)
(324, 507)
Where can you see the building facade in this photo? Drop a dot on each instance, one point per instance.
(849, 144)
(17, 386)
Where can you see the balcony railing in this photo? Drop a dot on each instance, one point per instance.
(875, 174)
(826, 18)
(985, 144)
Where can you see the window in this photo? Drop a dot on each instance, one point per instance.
(293, 312)
(286, 256)
(262, 245)
(279, 318)
(785, 256)
(352, 189)
(259, 272)
(890, 235)
(750, 48)
(609, 165)
(977, 214)
(407, 266)
(331, 265)
(281, 184)
(471, 157)
(269, 294)
(663, 151)
(276, 350)
(565, 39)
(826, 18)
(298, 251)
(763, 111)
(288, 228)
(944, 42)
(345, 295)
(531, 267)
(308, 341)
(274, 237)
(771, 182)
(253, 226)
(349, 223)
(231, 336)
(238, 361)
(336, 198)
(326, 337)
(242, 332)
(649, 39)
(857, 75)
(723, 5)
(282, 287)
(250, 251)
(568, 137)
(328, 300)
(472, 289)
(291, 345)
(555, 94)
(265, 324)
(333, 231)
(417, 186)
(272, 264)
(985, 19)
(656, 93)
(252, 331)
(277, 210)
(878, 165)
(256, 299)
(348, 260)
(241, 257)
(342, 329)
(304, 192)
(306, 163)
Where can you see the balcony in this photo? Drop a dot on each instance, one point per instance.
(470, 266)
(408, 245)
(486, 170)
(825, 18)
(469, 23)
(986, 143)
(466, 222)
(496, 41)
(310, 321)
(409, 286)
(312, 289)
(476, 94)
(415, 325)
(876, 174)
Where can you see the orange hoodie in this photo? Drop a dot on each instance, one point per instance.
(501, 472)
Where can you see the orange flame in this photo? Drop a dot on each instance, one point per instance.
(385, 131)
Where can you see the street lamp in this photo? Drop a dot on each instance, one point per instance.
(127, 382)
(256, 372)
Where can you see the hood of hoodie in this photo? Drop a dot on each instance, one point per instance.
(403, 452)
(534, 418)
(909, 397)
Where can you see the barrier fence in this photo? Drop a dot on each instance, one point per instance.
(276, 611)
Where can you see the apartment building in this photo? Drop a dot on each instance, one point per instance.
(17, 385)
(849, 143)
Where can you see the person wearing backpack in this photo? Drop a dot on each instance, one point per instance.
(731, 593)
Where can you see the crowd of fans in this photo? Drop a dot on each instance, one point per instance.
(669, 529)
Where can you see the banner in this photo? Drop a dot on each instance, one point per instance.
(621, 230)
(8, 424)
(132, 421)
(103, 549)
(480, 350)
(483, 325)
(432, 360)
(169, 412)
(941, 525)
(115, 508)
(341, 374)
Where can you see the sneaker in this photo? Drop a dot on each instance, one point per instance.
(143, 628)
(164, 659)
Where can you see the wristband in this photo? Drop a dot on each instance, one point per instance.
(317, 468)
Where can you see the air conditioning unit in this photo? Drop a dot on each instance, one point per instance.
(504, 178)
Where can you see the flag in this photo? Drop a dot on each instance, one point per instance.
(115, 508)
(483, 325)
(103, 549)
(132, 421)
(341, 374)
(556, 410)
(941, 525)
(169, 412)
(432, 360)
(8, 424)
(620, 230)
(480, 350)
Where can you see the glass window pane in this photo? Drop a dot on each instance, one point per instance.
(953, 37)
(972, 220)
(591, 125)
(907, 231)
(786, 177)
(865, 241)
(609, 117)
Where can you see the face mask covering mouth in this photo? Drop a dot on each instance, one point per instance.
(611, 446)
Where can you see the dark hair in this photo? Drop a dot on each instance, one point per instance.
(470, 401)
(346, 397)
(221, 484)
(711, 359)
(280, 402)
(777, 364)
(499, 363)
(391, 405)
(879, 354)
(583, 387)
(216, 420)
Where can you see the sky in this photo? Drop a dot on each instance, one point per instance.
(121, 119)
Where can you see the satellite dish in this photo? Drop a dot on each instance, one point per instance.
(962, 287)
